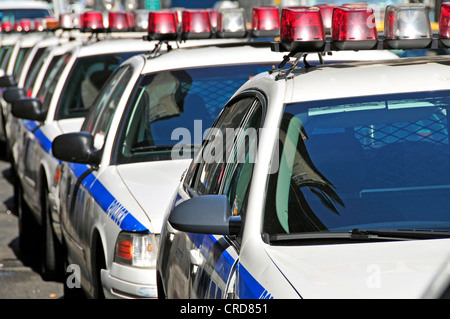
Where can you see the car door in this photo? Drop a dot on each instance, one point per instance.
(76, 198)
(226, 166)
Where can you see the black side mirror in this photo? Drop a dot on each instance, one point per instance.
(76, 148)
(28, 109)
(7, 81)
(207, 214)
(13, 93)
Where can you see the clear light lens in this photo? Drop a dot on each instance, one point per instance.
(231, 20)
(137, 249)
(407, 21)
(141, 20)
(66, 21)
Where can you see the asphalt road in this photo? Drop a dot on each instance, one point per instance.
(19, 274)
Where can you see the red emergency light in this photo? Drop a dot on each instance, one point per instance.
(195, 24)
(92, 21)
(302, 29)
(444, 24)
(326, 11)
(265, 21)
(162, 25)
(6, 26)
(118, 21)
(354, 28)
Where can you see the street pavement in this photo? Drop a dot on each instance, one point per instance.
(19, 275)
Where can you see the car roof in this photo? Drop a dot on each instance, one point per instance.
(115, 45)
(235, 53)
(370, 78)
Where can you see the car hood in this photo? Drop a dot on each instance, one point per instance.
(386, 270)
(153, 185)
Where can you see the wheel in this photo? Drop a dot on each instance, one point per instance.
(28, 227)
(51, 259)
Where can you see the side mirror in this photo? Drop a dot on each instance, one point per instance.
(13, 93)
(207, 214)
(28, 109)
(76, 148)
(7, 81)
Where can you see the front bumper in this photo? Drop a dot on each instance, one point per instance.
(124, 282)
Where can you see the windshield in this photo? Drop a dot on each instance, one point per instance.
(85, 81)
(172, 109)
(23, 13)
(374, 162)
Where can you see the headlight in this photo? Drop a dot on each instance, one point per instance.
(137, 249)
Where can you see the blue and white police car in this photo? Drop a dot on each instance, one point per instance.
(73, 86)
(333, 181)
(120, 172)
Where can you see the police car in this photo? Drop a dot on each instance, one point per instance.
(119, 173)
(333, 181)
(66, 99)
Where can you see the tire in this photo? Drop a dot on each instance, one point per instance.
(51, 257)
(28, 227)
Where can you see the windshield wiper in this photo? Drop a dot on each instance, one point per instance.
(356, 235)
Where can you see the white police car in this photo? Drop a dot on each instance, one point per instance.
(120, 172)
(66, 100)
(333, 181)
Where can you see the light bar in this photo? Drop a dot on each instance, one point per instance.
(326, 11)
(195, 24)
(265, 21)
(92, 21)
(444, 24)
(231, 23)
(118, 21)
(302, 29)
(354, 28)
(407, 26)
(162, 25)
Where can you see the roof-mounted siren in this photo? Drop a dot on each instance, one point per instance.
(265, 22)
(302, 30)
(444, 24)
(66, 21)
(231, 23)
(213, 18)
(119, 21)
(6, 26)
(162, 25)
(92, 21)
(38, 26)
(407, 26)
(141, 20)
(195, 24)
(50, 24)
(354, 28)
(326, 11)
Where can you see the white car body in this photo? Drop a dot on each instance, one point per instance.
(35, 163)
(192, 264)
(133, 197)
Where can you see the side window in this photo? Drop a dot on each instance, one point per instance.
(99, 119)
(217, 148)
(243, 156)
